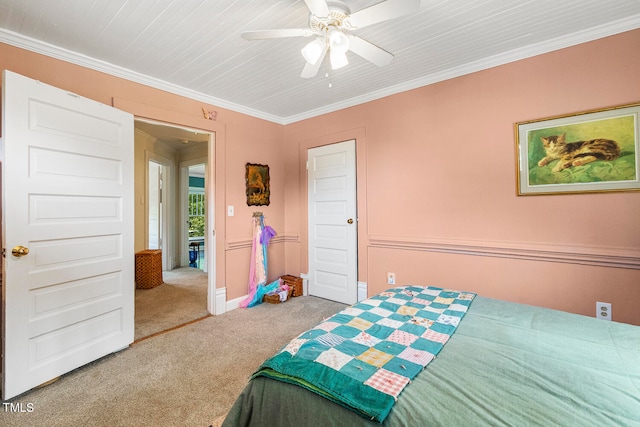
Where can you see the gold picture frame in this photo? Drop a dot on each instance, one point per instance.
(257, 182)
(585, 152)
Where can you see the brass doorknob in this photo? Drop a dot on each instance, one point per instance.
(350, 221)
(19, 251)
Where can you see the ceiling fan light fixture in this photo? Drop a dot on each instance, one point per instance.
(313, 50)
(338, 59)
(338, 40)
(331, 23)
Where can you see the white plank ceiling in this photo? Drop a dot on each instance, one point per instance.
(194, 48)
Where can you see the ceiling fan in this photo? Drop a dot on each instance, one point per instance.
(330, 25)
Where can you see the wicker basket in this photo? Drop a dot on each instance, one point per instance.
(275, 299)
(294, 282)
(148, 268)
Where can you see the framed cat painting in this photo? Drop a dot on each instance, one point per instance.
(591, 151)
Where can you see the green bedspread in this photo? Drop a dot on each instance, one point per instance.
(507, 364)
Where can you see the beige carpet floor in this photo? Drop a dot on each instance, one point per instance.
(180, 299)
(188, 376)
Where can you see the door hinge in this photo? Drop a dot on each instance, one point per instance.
(307, 164)
(4, 253)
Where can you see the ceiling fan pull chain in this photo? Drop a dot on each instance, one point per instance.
(327, 76)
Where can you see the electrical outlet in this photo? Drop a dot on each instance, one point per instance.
(391, 278)
(603, 310)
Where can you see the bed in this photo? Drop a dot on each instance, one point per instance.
(504, 364)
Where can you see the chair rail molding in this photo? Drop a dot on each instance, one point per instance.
(604, 256)
(248, 242)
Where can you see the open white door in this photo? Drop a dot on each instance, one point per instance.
(67, 196)
(333, 242)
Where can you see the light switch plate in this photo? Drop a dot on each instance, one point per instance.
(230, 211)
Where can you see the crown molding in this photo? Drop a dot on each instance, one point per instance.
(52, 51)
(591, 34)
(587, 35)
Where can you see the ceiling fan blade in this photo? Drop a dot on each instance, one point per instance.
(275, 34)
(310, 70)
(318, 7)
(369, 51)
(383, 11)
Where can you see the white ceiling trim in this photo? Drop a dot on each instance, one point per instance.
(37, 46)
(593, 33)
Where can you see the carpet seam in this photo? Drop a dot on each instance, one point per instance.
(171, 329)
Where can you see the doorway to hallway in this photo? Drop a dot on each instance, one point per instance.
(162, 217)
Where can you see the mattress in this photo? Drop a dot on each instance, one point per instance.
(506, 364)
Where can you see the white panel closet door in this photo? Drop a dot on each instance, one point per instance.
(333, 241)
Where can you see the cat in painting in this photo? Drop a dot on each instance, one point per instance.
(576, 153)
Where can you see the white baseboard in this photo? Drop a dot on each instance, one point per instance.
(362, 291)
(235, 303)
(305, 284)
(221, 301)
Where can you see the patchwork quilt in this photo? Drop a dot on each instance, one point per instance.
(365, 355)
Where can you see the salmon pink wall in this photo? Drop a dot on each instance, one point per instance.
(436, 179)
(437, 196)
(239, 139)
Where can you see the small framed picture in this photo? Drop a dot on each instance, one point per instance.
(257, 177)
